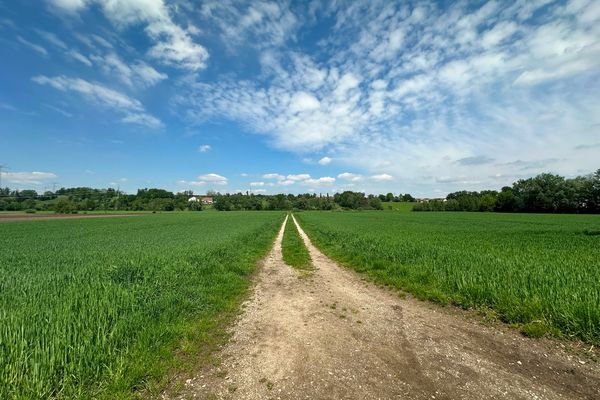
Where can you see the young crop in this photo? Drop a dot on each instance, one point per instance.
(96, 308)
(294, 251)
(541, 271)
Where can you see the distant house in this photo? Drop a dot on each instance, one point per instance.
(427, 200)
(202, 199)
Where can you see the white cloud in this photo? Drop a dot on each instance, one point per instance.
(298, 177)
(172, 45)
(101, 41)
(302, 101)
(138, 73)
(51, 38)
(348, 176)
(35, 47)
(255, 184)
(205, 180)
(28, 178)
(274, 176)
(382, 178)
(58, 110)
(75, 55)
(258, 23)
(70, 5)
(103, 96)
(204, 148)
(143, 119)
(213, 178)
(325, 161)
(319, 182)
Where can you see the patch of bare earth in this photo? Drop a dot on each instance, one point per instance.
(335, 336)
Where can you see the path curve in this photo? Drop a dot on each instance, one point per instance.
(333, 335)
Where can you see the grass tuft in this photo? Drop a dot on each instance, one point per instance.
(295, 253)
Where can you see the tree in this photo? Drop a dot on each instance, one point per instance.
(487, 203)
(591, 193)
(408, 197)
(64, 205)
(506, 200)
(543, 193)
(375, 203)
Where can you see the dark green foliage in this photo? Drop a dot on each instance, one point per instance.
(309, 201)
(534, 329)
(545, 193)
(400, 206)
(65, 206)
(357, 201)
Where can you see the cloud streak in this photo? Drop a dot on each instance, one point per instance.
(132, 109)
(172, 45)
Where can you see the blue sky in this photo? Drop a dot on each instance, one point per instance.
(377, 96)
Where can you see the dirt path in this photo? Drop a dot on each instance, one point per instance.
(334, 336)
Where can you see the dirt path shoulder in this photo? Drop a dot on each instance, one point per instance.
(332, 335)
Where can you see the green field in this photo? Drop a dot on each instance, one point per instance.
(398, 206)
(295, 253)
(102, 308)
(539, 271)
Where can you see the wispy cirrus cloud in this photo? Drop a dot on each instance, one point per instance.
(137, 73)
(28, 178)
(52, 38)
(172, 45)
(33, 46)
(210, 179)
(132, 109)
(258, 23)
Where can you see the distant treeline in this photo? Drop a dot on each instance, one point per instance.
(83, 199)
(72, 200)
(308, 201)
(545, 193)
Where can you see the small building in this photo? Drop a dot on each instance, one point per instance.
(206, 200)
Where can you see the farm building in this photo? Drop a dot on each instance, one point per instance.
(202, 199)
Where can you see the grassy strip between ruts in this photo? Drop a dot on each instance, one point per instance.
(108, 307)
(295, 253)
(540, 272)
